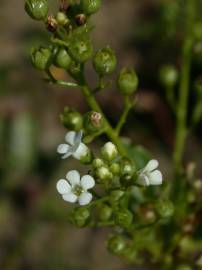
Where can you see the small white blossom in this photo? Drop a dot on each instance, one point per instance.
(75, 189)
(149, 175)
(73, 146)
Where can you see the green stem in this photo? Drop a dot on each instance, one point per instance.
(122, 121)
(111, 133)
(182, 108)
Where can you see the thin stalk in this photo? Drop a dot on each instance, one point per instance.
(127, 107)
(182, 108)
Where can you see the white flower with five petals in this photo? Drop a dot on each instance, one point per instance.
(73, 146)
(75, 189)
(149, 175)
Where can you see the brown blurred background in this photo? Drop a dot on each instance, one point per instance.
(34, 228)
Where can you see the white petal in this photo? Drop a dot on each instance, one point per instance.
(143, 180)
(63, 186)
(85, 198)
(73, 177)
(151, 165)
(70, 137)
(156, 178)
(78, 137)
(70, 197)
(63, 148)
(87, 182)
(81, 151)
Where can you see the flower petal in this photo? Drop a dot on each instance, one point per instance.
(63, 148)
(70, 137)
(70, 197)
(87, 182)
(143, 180)
(156, 178)
(73, 177)
(81, 151)
(85, 198)
(151, 165)
(63, 186)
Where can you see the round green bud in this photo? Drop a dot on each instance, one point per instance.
(62, 59)
(62, 19)
(165, 208)
(168, 75)
(71, 119)
(116, 244)
(109, 151)
(104, 61)
(127, 81)
(74, 69)
(41, 57)
(123, 218)
(97, 163)
(93, 122)
(115, 168)
(37, 9)
(80, 48)
(103, 174)
(80, 217)
(104, 212)
(90, 6)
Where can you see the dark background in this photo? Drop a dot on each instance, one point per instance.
(34, 228)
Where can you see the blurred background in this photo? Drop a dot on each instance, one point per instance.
(34, 228)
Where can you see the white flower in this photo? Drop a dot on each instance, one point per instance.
(74, 146)
(149, 175)
(75, 188)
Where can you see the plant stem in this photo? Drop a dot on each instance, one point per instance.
(128, 106)
(111, 133)
(182, 108)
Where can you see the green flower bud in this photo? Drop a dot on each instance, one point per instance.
(80, 19)
(104, 212)
(103, 174)
(116, 244)
(165, 208)
(168, 75)
(62, 59)
(105, 61)
(97, 163)
(127, 81)
(127, 171)
(90, 6)
(80, 217)
(71, 119)
(115, 196)
(115, 168)
(109, 151)
(80, 48)
(37, 9)
(123, 218)
(93, 122)
(41, 57)
(62, 19)
(74, 69)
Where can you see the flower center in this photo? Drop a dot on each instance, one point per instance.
(77, 190)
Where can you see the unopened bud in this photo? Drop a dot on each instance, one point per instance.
(71, 119)
(123, 218)
(116, 244)
(51, 24)
(93, 122)
(104, 174)
(127, 81)
(80, 19)
(109, 151)
(41, 57)
(80, 217)
(97, 163)
(165, 208)
(62, 19)
(168, 75)
(90, 6)
(104, 212)
(37, 9)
